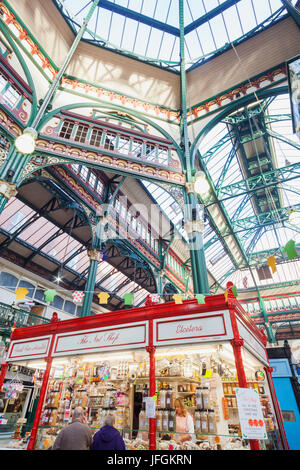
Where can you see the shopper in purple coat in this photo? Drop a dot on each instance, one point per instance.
(108, 438)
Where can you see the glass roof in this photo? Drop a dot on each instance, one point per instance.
(149, 29)
(64, 249)
(216, 151)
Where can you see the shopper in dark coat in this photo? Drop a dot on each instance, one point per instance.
(108, 438)
(76, 436)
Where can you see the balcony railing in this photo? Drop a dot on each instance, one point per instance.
(22, 318)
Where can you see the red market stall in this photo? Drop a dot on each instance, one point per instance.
(137, 363)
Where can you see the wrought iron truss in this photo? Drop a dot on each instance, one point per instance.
(253, 188)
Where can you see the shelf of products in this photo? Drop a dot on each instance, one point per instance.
(120, 387)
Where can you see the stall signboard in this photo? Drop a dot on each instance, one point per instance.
(31, 348)
(251, 343)
(250, 414)
(193, 329)
(101, 339)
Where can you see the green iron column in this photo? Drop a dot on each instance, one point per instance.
(15, 163)
(194, 225)
(95, 253)
(95, 256)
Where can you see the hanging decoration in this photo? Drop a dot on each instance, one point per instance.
(77, 296)
(128, 298)
(272, 263)
(49, 295)
(200, 298)
(103, 297)
(177, 298)
(245, 282)
(230, 287)
(234, 291)
(291, 250)
(21, 293)
(155, 298)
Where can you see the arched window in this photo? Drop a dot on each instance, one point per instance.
(8, 280)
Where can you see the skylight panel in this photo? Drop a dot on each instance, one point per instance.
(233, 23)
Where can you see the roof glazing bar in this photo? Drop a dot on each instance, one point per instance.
(115, 8)
(210, 15)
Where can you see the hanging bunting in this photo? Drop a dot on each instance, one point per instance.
(177, 298)
(200, 298)
(155, 298)
(245, 282)
(21, 293)
(128, 298)
(272, 264)
(77, 296)
(291, 250)
(49, 295)
(103, 297)
(234, 291)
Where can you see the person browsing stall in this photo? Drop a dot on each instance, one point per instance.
(76, 436)
(108, 437)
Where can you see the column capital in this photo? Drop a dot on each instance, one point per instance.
(194, 226)
(190, 187)
(7, 189)
(237, 342)
(95, 255)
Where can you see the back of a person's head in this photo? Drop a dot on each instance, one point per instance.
(77, 413)
(109, 420)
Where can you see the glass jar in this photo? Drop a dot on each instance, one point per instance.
(163, 398)
(197, 418)
(199, 403)
(169, 399)
(212, 425)
(159, 419)
(142, 419)
(204, 421)
(205, 398)
(165, 420)
(172, 420)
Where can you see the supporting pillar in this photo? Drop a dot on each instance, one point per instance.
(43, 392)
(152, 421)
(39, 408)
(237, 343)
(95, 256)
(199, 270)
(194, 227)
